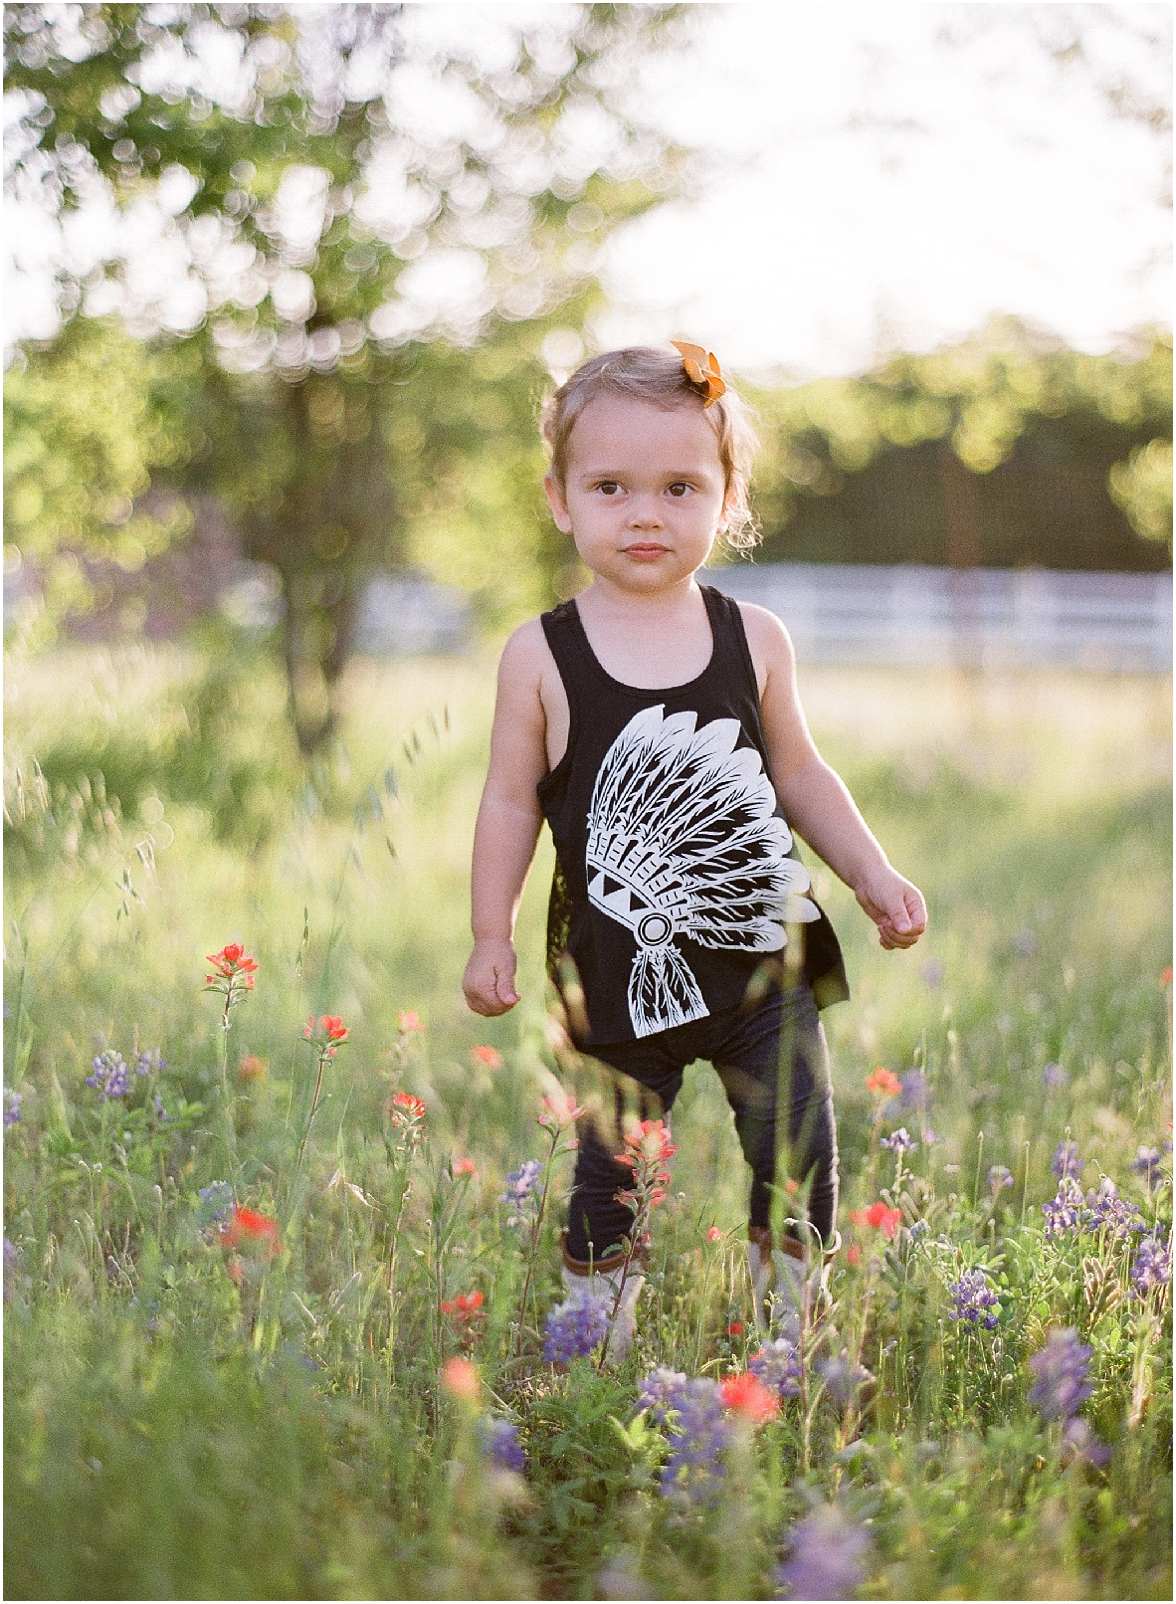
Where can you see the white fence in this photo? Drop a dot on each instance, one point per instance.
(984, 617)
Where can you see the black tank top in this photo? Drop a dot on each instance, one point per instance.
(675, 868)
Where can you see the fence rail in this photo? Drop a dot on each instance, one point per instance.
(983, 617)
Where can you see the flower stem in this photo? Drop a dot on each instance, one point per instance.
(318, 1086)
(535, 1230)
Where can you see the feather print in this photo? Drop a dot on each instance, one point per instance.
(684, 840)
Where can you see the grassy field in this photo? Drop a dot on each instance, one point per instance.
(197, 1411)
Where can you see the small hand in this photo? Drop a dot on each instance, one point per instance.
(489, 978)
(895, 906)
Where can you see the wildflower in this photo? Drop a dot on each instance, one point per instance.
(233, 971)
(974, 1300)
(463, 1166)
(998, 1178)
(853, 1254)
(1166, 975)
(576, 1326)
(216, 1200)
(791, 1187)
(661, 1393)
(843, 1379)
(1107, 1211)
(150, 1062)
(698, 1436)
(12, 1102)
(161, 1113)
(499, 1441)
(251, 1232)
(559, 1110)
(1153, 1263)
(404, 1107)
(827, 1558)
(408, 1022)
(11, 1268)
(916, 1093)
(930, 1138)
(327, 1034)
(1064, 1212)
(736, 1328)
(489, 1058)
(460, 1379)
(522, 1192)
(749, 1399)
(1053, 1076)
(1081, 1446)
(714, 1234)
(1062, 1369)
(933, 972)
(467, 1314)
(879, 1215)
(649, 1149)
(777, 1365)
(883, 1083)
(1067, 1161)
(899, 1141)
(251, 1067)
(1145, 1162)
(111, 1077)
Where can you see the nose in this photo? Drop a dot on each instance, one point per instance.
(645, 513)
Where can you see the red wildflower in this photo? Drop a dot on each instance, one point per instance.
(408, 1022)
(490, 1057)
(883, 1083)
(853, 1253)
(879, 1215)
(649, 1141)
(714, 1234)
(1166, 975)
(464, 1166)
(460, 1379)
(232, 961)
(247, 1230)
(404, 1106)
(559, 1110)
(251, 1067)
(735, 1329)
(465, 1306)
(747, 1397)
(791, 1187)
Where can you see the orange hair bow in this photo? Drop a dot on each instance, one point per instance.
(702, 368)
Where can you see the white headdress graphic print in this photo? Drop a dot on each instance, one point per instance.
(684, 840)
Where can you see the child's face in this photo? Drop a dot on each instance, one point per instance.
(643, 496)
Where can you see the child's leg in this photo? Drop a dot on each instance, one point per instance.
(773, 1060)
(646, 1076)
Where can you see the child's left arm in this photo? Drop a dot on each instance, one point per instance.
(816, 801)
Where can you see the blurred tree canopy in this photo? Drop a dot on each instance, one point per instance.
(344, 237)
(1006, 449)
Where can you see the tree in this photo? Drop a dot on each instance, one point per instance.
(346, 194)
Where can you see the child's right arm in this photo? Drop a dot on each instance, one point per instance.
(508, 821)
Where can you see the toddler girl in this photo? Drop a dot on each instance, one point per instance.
(655, 723)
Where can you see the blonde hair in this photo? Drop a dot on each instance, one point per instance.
(647, 373)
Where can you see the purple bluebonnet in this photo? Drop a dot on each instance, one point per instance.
(827, 1559)
(916, 1092)
(576, 1326)
(777, 1365)
(1107, 1211)
(930, 1137)
(161, 1113)
(522, 1192)
(842, 1377)
(998, 1178)
(1080, 1445)
(698, 1436)
(900, 1141)
(1053, 1076)
(111, 1077)
(1145, 1163)
(500, 1443)
(1062, 1369)
(1153, 1263)
(661, 1392)
(150, 1062)
(975, 1300)
(11, 1268)
(12, 1102)
(1067, 1161)
(933, 972)
(1064, 1212)
(216, 1200)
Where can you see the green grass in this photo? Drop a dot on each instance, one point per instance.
(170, 1433)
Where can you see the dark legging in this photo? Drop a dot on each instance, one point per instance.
(767, 1056)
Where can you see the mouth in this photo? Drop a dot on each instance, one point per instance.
(645, 548)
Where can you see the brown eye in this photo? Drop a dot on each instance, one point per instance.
(609, 487)
(679, 489)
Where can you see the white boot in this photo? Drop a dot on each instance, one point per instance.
(801, 1287)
